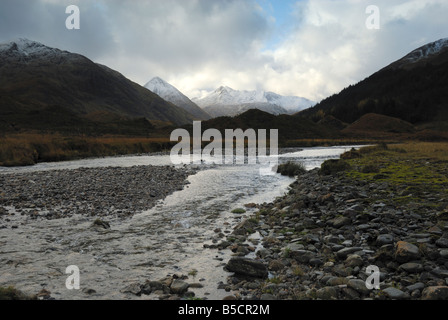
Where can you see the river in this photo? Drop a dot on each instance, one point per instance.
(167, 239)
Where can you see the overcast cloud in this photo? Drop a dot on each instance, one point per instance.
(321, 46)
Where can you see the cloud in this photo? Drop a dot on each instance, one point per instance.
(198, 45)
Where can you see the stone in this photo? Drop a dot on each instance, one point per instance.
(383, 239)
(276, 265)
(354, 260)
(327, 293)
(316, 262)
(416, 286)
(133, 288)
(444, 253)
(435, 293)
(406, 252)
(358, 285)
(302, 256)
(267, 296)
(337, 281)
(179, 286)
(411, 267)
(396, 294)
(343, 253)
(247, 267)
(442, 243)
(339, 222)
(150, 286)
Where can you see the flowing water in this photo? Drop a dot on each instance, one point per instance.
(167, 239)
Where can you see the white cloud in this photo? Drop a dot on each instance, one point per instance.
(198, 45)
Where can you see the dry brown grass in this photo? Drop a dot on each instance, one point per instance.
(28, 149)
(431, 150)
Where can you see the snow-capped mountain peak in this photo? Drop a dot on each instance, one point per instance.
(226, 96)
(27, 47)
(170, 93)
(25, 51)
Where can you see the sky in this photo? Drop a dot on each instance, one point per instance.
(307, 48)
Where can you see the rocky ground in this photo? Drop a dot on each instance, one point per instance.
(317, 242)
(87, 191)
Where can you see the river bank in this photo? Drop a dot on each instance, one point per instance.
(99, 192)
(383, 207)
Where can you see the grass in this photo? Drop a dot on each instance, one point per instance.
(413, 171)
(239, 210)
(28, 149)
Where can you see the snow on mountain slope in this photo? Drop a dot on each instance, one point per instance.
(431, 50)
(169, 93)
(426, 50)
(235, 101)
(25, 50)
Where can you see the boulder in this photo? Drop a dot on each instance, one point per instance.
(435, 293)
(405, 252)
(179, 287)
(247, 267)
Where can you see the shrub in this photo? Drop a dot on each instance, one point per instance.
(333, 166)
(291, 168)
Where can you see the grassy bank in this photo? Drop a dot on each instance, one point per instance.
(28, 149)
(418, 170)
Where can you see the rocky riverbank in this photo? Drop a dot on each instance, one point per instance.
(113, 191)
(317, 242)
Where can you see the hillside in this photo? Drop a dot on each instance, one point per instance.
(289, 127)
(414, 89)
(36, 79)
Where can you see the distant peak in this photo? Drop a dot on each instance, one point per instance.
(157, 79)
(224, 89)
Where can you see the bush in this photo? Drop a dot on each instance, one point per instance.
(11, 293)
(333, 166)
(291, 169)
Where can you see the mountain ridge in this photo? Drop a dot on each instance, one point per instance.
(413, 88)
(230, 99)
(35, 77)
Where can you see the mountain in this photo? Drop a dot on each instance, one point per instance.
(413, 88)
(226, 101)
(36, 79)
(289, 127)
(222, 110)
(169, 93)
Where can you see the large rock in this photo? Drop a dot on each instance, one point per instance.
(396, 294)
(247, 267)
(435, 293)
(406, 252)
(359, 286)
(179, 286)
